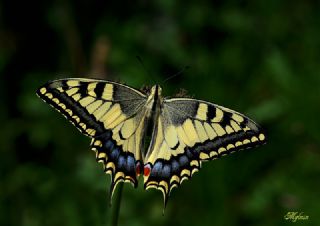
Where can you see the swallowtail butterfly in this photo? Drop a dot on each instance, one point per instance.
(184, 132)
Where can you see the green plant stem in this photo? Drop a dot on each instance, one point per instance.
(116, 205)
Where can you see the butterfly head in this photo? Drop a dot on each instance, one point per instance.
(156, 90)
(154, 96)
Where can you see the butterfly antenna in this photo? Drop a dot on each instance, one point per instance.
(176, 74)
(145, 68)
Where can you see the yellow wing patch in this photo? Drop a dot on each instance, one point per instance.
(202, 112)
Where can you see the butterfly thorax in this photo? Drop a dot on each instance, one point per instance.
(154, 98)
(153, 108)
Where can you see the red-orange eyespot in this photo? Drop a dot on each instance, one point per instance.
(146, 170)
(138, 168)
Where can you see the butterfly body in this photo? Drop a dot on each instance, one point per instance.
(184, 132)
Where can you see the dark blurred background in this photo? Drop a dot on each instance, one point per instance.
(261, 58)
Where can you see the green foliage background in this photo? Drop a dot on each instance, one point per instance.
(258, 57)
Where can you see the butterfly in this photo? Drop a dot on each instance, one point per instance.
(182, 132)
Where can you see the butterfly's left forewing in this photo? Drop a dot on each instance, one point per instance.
(110, 113)
(189, 132)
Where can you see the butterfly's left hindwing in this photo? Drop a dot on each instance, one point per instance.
(110, 113)
(189, 132)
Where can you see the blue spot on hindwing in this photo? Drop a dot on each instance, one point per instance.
(189, 153)
(121, 162)
(166, 171)
(156, 169)
(183, 160)
(175, 167)
(109, 145)
(115, 153)
(130, 166)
